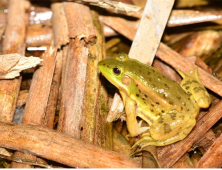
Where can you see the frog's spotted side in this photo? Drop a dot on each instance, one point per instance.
(170, 109)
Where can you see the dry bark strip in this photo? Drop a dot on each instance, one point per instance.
(152, 25)
(169, 154)
(54, 91)
(74, 75)
(73, 87)
(80, 23)
(35, 110)
(91, 114)
(213, 157)
(38, 35)
(60, 147)
(14, 42)
(59, 24)
(40, 88)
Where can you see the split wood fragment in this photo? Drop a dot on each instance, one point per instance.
(9, 89)
(213, 157)
(12, 64)
(59, 24)
(152, 25)
(60, 147)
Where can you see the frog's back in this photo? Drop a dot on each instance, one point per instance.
(167, 90)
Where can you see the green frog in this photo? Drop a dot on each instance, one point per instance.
(169, 109)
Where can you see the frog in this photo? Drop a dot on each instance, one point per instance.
(170, 109)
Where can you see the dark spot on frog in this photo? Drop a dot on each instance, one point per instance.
(189, 94)
(178, 97)
(157, 103)
(173, 115)
(139, 91)
(144, 102)
(188, 98)
(143, 98)
(198, 89)
(148, 73)
(183, 103)
(188, 109)
(151, 110)
(136, 85)
(188, 82)
(181, 107)
(137, 95)
(187, 87)
(145, 95)
(152, 104)
(162, 111)
(194, 81)
(160, 120)
(89, 55)
(166, 128)
(170, 102)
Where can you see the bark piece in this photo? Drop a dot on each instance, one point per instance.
(14, 42)
(82, 26)
(60, 147)
(72, 92)
(54, 90)
(40, 88)
(12, 64)
(152, 25)
(169, 154)
(91, 113)
(38, 35)
(183, 162)
(35, 110)
(213, 157)
(40, 15)
(59, 23)
(23, 95)
(185, 17)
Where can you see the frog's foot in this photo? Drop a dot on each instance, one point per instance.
(145, 141)
(141, 130)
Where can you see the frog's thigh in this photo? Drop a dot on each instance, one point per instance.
(172, 127)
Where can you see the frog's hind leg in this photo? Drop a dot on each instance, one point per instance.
(193, 86)
(168, 129)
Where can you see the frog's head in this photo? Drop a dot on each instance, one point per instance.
(113, 70)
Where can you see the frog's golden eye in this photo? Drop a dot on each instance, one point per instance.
(116, 71)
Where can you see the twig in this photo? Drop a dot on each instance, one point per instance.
(60, 147)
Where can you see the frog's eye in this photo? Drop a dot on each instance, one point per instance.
(116, 71)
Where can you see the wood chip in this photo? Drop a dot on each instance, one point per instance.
(12, 64)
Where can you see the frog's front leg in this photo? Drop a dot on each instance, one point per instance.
(169, 128)
(133, 126)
